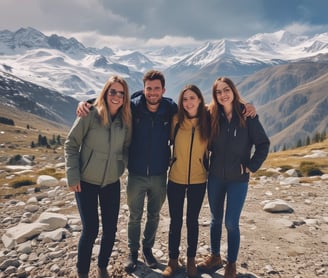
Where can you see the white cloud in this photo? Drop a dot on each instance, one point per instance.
(300, 29)
(145, 22)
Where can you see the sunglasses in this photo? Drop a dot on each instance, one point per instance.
(113, 92)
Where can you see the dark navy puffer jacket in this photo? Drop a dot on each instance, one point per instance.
(149, 152)
(232, 149)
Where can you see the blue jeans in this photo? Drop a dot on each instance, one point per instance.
(87, 202)
(218, 190)
(138, 187)
(176, 196)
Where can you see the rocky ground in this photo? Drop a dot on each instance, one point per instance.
(291, 242)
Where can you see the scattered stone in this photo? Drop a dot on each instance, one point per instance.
(278, 206)
(50, 248)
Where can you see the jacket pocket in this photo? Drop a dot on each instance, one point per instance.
(234, 170)
(120, 164)
(93, 165)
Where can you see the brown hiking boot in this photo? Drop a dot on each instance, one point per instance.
(191, 268)
(171, 269)
(210, 263)
(230, 270)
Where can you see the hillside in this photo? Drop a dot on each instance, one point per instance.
(17, 139)
(35, 99)
(291, 99)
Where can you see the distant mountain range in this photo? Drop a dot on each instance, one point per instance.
(283, 74)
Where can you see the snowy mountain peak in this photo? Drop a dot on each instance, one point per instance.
(136, 61)
(211, 51)
(28, 34)
(29, 38)
(66, 45)
(56, 62)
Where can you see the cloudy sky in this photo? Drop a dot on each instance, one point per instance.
(136, 23)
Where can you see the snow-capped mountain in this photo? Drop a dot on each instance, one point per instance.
(68, 67)
(239, 59)
(137, 61)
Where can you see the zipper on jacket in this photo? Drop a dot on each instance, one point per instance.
(148, 156)
(225, 149)
(190, 152)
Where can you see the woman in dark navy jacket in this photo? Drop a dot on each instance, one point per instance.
(233, 137)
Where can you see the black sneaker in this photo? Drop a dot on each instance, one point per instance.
(149, 258)
(131, 263)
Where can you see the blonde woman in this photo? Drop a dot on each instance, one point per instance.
(96, 152)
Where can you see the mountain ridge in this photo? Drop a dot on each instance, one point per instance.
(37, 100)
(265, 67)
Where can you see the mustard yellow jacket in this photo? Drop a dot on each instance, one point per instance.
(188, 153)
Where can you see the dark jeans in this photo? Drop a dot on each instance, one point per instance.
(87, 202)
(176, 195)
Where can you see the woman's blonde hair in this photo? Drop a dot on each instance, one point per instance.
(101, 101)
(215, 108)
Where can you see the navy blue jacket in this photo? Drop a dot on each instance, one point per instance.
(149, 152)
(232, 148)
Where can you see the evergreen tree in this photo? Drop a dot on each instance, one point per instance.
(58, 139)
(44, 141)
(308, 141)
(40, 140)
(316, 137)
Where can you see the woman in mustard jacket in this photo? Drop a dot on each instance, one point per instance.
(96, 152)
(188, 174)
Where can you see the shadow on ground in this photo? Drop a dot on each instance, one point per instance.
(143, 271)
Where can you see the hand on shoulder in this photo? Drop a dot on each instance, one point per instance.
(83, 109)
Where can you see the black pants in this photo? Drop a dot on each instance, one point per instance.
(87, 202)
(176, 195)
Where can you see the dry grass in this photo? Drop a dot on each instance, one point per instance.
(22, 119)
(17, 141)
(293, 158)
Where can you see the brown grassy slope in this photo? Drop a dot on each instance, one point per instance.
(294, 157)
(20, 136)
(22, 119)
(17, 139)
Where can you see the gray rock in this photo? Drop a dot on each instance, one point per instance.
(278, 206)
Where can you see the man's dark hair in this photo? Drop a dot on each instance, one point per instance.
(153, 75)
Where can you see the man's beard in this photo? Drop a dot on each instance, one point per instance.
(153, 102)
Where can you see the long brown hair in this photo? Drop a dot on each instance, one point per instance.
(101, 101)
(202, 114)
(215, 108)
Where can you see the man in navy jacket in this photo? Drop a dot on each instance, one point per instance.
(149, 155)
